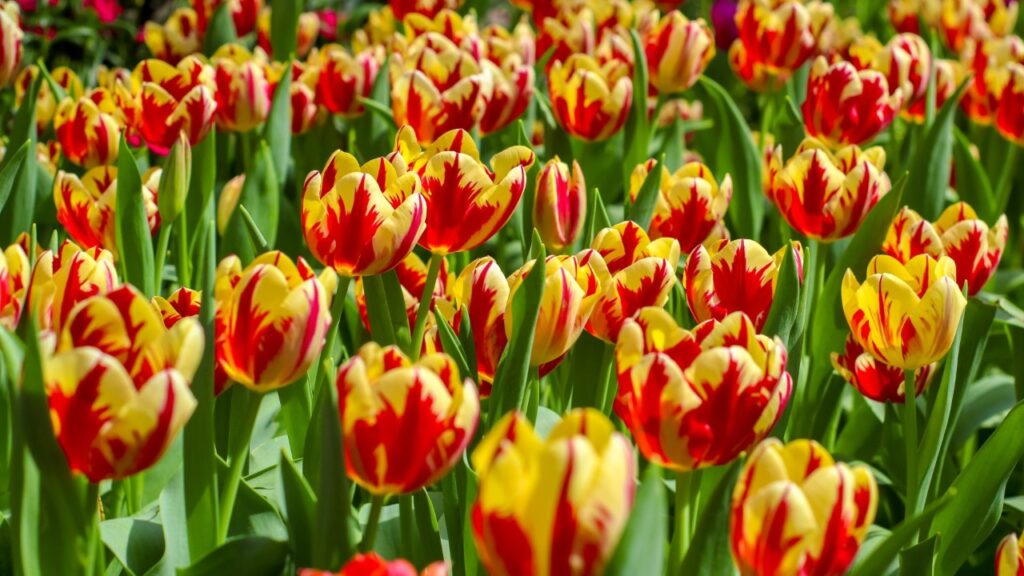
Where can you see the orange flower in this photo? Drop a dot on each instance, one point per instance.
(847, 106)
(243, 92)
(560, 204)
(88, 135)
(85, 207)
(176, 38)
(61, 281)
(775, 38)
(173, 100)
(10, 41)
(14, 277)
(678, 50)
(590, 100)
(404, 424)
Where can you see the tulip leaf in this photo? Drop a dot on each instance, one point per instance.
(253, 555)
(379, 109)
(220, 30)
(590, 369)
(375, 134)
(382, 328)
(784, 317)
(453, 347)
(972, 182)
(643, 208)
(8, 176)
(929, 169)
(641, 548)
(136, 543)
(919, 559)
(428, 535)
(277, 132)
(878, 558)
(638, 130)
(984, 400)
(709, 553)
(596, 218)
(396, 301)
(737, 155)
(969, 519)
(18, 208)
(284, 28)
(199, 209)
(332, 541)
(260, 194)
(134, 241)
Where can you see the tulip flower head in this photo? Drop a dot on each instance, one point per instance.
(678, 50)
(373, 565)
(848, 106)
(306, 32)
(556, 505)
(404, 424)
(272, 318)
(775, 38)
(826, 195)
(560, 204)
(243, 91)
(482, 290)
(428, 8)
(906, 15)
(948, 73)
(590, 100)
(876, 379)
(46, 101)
(905, 61)
(993, 62)
(14, 278)
(700, 398)
(511, 92)
(88, 135)
(243, 14)
(963, 21)
(362, 220)
(343, 78)
(795, 510)
(10, 41)
(59, 282)
(118, 384)
(183, 303)
(467, 202)
(904, 314)
(175, 39)
(174, 100)
(1010, 556)
(1010, 112)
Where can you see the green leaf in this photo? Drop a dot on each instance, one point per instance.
(250, 555)
(380, 110)
(596, 218)
(332, 541)
(382, 326)
(220, 30)
(590, 368)
(641, 548)
(877, 560)
(18, 210)
(375, 134)
(9, 173)
(966, 522)
(137, 544)
(134, 242)
(784, 316)
(277, 132)
(284, 28)
(709, 553)
(452, 347)
(260, 194)
(428, 535)
(984, 400)
(919, 559)
(199, 211)
(642, 210)
(299, 507)
(929, 169)
(738, 156)
(972, 183)
(638, 130)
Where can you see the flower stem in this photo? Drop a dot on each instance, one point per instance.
(370, 533)
(184, 264)
(687, 497)
(910, 435)
(163, 240)
(92, 535)
(245, 406)
(426, 299)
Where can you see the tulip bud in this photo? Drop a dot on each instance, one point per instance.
(14, 278)
(847, 106)
(795, 510)
(243, 91)
(174, 181)
(574, 488)
(1010, 556)
(482, 290)
(10, 42)
(678, 50)
(560, 204)
(228, 201)
(590, 100)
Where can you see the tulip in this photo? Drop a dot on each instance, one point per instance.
(643, 274)
(467, 203)
(566, 33)
(904, 314)
(182, 303)
(307, 30)
(174, 100)
(963, 21)
(461, 30)
(992, 61)
(243, 92)
(697, 399)
(88, 137)
(14, 277)
(363, 220)
(906, 15)
(776, 37)
(412, 279)
(344, 78)
(429, 8)
(10, 42)
(61, 281)
(737, 276)
(690, 203)
(118, 384)
(826, 195)
(243, 14)
(482, 290)
(85, 207)
(405, 424)
(272, 318)
(501, 43)
(678, 50)
(560, 204)
(848, 106)
(511, 93)
(304, 108)
(46, 102)
(947, 75)
(958, 233)
(176, 38)
(437, 87)
(795, 510)
(573, 285)
(230, 194)
(1010, 112)
(1010, 556)
(905, 61)
(590, 100)
(876, 379)
(373, 565)
(551, 506)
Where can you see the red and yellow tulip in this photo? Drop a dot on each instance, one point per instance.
(482, 290)
(993, 61)
(678, 50)
(1010, 556)
(848, 106)
(118, 384)
(243, 91)
(512, 85)
(182, 303)
(556, 505)
(904, 314)
(467, 202)
(1010, 111)
(173, 100)
(948, 74)
(176, 38)
(243, 13)
(343, 78)
(963, 21)
(362, 220)
(10, 42)
(429, 8)
(906, 15)
(795, 510)
(46, 102)
(643, 273)
(373, 565)
(825, 195)
(404, 424)
(690, 206)
(590, 99)
(737, 276)
(775, 38)
(905, 61)
(876, 379)
(85, 206)
(560, 204)
(696, 399)
(88, 134)
(306, 32)
(14, 279)
(272, 318)
(61, 281)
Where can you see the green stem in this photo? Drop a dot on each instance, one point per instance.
(910, 435)
(607, 377)
(245, 406)
(133, 493)
(370, 533)
(92, 535)
(407, 524)
(184, 257)
(687, 495)
(163, 240)
(426, 299)
(1005, 183)
(337, 309)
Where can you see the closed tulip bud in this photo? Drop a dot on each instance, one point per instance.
(775, 38)
(14, 278)
(826, 195)
(429, 8)
(643, 273)
(573, 285)
(690, 205)
(228, 201)
(183, 303)
(737, 276)
(344, 78)
(174, 100)
(904, 314)
(272, 318)
(305, 111)
(174, 180)
(1010, 556)
(697, 399)
(555, 505)
(590, 100)
(61, 281)
(1010, 111)
(560, 204)
(118, 384)
(243, 91)
(386, 402)
(175, 39)
(848, 106)
(678, 50)
(363, 220)
(85, 206)
(46, 102)
(511, 93)
(482, 290)
(795, 510)
(10, 42)
(467, 202)
(373, 565)
(959, 234)
(993, 62)
(876, 379)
